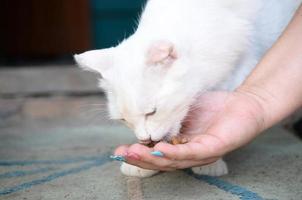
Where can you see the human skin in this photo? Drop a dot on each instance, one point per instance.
(229, 120)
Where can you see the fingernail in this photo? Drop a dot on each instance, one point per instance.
(157, 153)
(133, 156)
(118, 158)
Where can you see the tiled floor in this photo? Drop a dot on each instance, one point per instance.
(58, 147)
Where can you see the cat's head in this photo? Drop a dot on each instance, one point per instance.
(147, 88)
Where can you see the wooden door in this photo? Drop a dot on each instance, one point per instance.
(33, 28)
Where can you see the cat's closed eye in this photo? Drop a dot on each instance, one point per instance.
(153, 112)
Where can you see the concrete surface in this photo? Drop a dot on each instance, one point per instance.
(58, 147)
(270, 166)
(57, 79)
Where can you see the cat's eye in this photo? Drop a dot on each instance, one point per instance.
(151, 113)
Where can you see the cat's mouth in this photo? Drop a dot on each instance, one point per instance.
(145, 142)
(149, 141)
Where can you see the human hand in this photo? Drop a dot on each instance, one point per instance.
(218, 123)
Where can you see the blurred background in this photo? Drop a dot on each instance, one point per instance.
(37, 41)
(35, 32)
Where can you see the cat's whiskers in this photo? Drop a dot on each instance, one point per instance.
(96, 117)
(93, 105)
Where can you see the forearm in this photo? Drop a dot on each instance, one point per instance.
(276, 82)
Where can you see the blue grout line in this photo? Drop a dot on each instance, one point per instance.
(97, 162)
(34, 162)
(242, 193)
(24, 172)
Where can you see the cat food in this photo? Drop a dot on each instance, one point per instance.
(174, 140)
(178, 140)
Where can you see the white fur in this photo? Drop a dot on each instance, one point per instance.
(206, 45)
(131, 170)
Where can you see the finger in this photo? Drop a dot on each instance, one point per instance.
(145, 165)
(174, 165)
(155, 163)
(121, 150)
(143, 154)
(184, 164)
(134, 159)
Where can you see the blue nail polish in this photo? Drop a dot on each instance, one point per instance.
(118, 158)
(157, 153)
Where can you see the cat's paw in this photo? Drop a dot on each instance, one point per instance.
(131, 170)
(217, 168)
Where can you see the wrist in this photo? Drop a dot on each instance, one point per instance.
(261, 102)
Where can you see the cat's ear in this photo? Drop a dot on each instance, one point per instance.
(161, 52)
(95, 60)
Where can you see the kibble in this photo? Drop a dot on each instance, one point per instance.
(174, 140)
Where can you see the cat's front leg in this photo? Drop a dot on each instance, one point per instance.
(131, 170)
(217, 168)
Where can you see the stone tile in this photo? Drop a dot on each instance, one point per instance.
(269, 166)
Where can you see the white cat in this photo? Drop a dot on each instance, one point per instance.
(180, 49)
